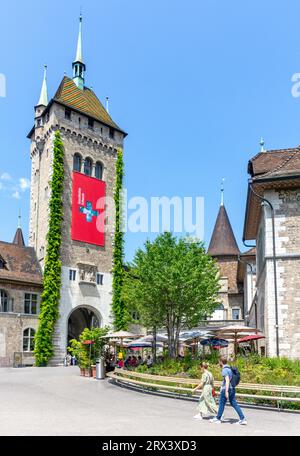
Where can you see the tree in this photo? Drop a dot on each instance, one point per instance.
(119, 309)
(44, 349)
(174, 284)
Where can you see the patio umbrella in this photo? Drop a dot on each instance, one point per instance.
(251, 337)
(159, 338)
(214, 342)
(141, 345)
(232, 331)
(121, 335)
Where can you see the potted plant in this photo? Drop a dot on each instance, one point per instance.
(87, 352)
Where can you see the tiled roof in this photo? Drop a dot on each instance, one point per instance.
(84, 101)
(275, 163)
(223, 242)
(21, 264)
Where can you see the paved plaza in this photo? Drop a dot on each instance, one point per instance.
(57, 401)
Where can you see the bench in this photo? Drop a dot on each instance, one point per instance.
(179, 385)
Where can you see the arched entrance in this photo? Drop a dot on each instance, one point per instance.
(81, 318)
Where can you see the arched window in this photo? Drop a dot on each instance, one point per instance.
(4, 302)
(88, 165)
(28, 340)
(98, 171)
(77, 163)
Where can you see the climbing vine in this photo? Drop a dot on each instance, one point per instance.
(119, 308)
(49, 312)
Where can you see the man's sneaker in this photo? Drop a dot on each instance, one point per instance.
(216, 420)
(242, 422)
(198, 417)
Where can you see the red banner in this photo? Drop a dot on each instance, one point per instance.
(88, 209)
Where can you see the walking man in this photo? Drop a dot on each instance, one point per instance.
(228, 393)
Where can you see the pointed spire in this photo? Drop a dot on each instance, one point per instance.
(78, 57)
(262, 144)
(19, 238)
(19, 219)
(43, 101)
(107, 105)
(223, 242)
(78, 64)
(222, 191)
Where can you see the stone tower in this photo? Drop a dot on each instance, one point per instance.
(91, 140)
(223, 247)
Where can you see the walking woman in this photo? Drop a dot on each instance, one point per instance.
(207, 404)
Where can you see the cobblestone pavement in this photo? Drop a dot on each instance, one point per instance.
(57, 401)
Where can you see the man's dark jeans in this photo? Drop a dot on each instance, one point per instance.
(232, 401)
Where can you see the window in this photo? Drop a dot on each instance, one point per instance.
(88, 165)
(30, 304)
(91, 123)
(2, 263)
(68, 114)
(235, 314)
(42, 253)
(99, 279)
(28, 340)
(72, 275)
(4, 302)
(219, 313)
(135, 316)
(111, 133)
(98, 170)
(77, 163)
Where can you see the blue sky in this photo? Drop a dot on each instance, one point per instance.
(194, 83)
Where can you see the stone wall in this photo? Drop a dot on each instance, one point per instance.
(287, 228)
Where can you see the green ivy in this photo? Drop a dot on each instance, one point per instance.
(119, 308)
(49, 313)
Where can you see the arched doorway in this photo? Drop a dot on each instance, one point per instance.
(81, 318)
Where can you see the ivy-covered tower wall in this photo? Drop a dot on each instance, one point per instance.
(83, 258)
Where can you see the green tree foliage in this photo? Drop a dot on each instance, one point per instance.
(119, 308)
(49, 313)
(173, 283)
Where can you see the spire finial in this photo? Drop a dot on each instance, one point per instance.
(107, 105)
(19, 219)
(262, 144)
(43, 101)
(222, 191)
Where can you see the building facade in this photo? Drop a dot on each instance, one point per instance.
(273, 220)
(91, 140)
(21, 284)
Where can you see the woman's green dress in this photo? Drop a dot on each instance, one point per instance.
(207, 403)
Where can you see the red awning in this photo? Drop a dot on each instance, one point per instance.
(251, 337)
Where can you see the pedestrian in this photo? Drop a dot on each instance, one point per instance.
(207, 404)
(149, 361)
(127, 362)
(228, 393)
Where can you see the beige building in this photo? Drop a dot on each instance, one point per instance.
(273, 221)
(20, 290)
